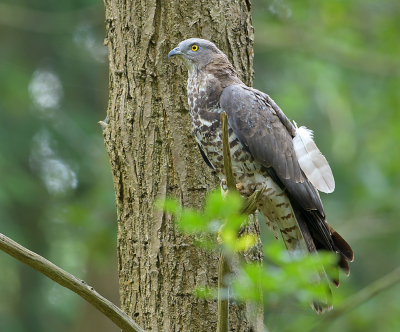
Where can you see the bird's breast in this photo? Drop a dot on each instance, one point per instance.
(205, 112)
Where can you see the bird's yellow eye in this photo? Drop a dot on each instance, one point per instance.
(195, 48)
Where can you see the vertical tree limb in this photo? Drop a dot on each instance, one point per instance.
(248, 208)
(223, 295)
(230, 181)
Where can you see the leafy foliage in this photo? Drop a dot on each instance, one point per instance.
(282, 276)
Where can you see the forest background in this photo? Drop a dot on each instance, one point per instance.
(333, 66)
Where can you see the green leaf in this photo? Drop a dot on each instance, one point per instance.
(192, 221)
(219, 206)
(245, 242)
(206, 293)
(170, 205)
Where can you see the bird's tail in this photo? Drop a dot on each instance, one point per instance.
(298, 239)
(315, 242)
(322, 278)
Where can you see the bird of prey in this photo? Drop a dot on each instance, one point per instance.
(266, 150)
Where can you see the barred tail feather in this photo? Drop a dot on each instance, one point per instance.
(298, 240)
(319, 306)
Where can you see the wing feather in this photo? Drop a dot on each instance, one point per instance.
(269, 141)
(312, 161)
(267, 134)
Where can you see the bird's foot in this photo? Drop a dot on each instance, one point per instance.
(241, 190)
(224, 185)
(224, 188)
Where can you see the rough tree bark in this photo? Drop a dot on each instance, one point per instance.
(153, 154)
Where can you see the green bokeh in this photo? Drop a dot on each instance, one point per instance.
(333, 66)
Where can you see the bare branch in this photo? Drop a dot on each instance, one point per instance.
(223, 303)
(227, 153)
(223, 267)
(248, 208)
(361, 297)
(65, 279)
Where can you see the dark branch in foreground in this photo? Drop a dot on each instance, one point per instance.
(223, 267)
(65, 279)
(230, 181)
(248, 208)
(223, 301)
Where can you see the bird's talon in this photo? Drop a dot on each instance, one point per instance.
(239, 186)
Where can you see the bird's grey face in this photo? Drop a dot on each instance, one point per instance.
(195, 52)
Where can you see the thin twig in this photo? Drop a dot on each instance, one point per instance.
(65, 279)
(223, 267)
(361, 297)
(223, 301)
(230, 181)
(248, 208)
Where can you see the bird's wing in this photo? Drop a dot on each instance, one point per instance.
(261, 130)
(265, 134)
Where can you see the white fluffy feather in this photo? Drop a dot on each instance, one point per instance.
(312, 161)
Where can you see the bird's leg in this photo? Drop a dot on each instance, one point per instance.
(239, 188)
(224, 187)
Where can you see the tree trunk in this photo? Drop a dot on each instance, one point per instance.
(153, 154)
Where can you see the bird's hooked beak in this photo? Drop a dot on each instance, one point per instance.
(175, 51)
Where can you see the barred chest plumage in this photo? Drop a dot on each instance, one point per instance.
(203, 97)
(205, 112)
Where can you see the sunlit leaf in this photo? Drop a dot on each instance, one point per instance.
(219, 206)
(170, 205)
(206, 293)
(245, 242)
(192, 221)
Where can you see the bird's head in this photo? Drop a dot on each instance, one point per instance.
(195, 52)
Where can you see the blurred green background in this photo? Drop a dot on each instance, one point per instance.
(333, 66)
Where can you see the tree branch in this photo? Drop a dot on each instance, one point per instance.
(361, 297)
(248, 208)
(65, 279)
(230, 181)
(223, 267)
(223, 303)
